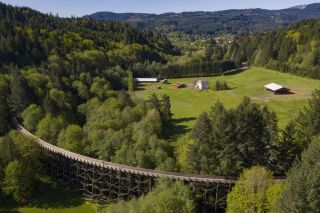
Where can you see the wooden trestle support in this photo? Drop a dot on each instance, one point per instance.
(106, 182)
(105, 185)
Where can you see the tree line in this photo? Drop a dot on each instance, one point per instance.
(196, 68)
(294, 50)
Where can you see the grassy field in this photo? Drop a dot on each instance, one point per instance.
(52, 199)
(187, 103)
(83, 208)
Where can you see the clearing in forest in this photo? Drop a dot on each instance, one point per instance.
(187, 103)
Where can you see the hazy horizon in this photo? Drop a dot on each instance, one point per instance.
(84, 7)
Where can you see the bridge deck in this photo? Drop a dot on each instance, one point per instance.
(123, 168)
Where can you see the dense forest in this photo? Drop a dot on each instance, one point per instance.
(215, 23)
(66, 80)
(295, 49)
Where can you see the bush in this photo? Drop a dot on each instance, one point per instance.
(221, 85)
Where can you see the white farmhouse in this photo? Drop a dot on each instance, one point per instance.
(201, 85)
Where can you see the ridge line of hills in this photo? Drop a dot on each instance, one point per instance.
(232, 21)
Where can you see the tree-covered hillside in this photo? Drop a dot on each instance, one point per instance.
(65, 80)
(295, 49)
(31, 38)
(221, 22)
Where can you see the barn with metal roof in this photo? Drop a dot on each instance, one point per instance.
(276, 88)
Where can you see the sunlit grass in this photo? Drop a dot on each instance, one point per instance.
(187, 103)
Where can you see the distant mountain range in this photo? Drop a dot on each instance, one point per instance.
(220, 22)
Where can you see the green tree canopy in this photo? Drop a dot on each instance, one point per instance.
(18, 181)
(4, 110)
(72, 139)
(49, 128)
(21, 94)
(32, 116)
(165, 198)
(255, 191)
(301, 191)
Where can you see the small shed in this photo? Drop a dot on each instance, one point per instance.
(164, 81)
(201, 85)
(178, 85)
(276, 88)
(146, 80)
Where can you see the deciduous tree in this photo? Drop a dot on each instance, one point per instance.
(32, 116)
(255, 191)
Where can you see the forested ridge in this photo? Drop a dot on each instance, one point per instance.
(215, 23)
(66, 80)
(295, 49)
(29, 37)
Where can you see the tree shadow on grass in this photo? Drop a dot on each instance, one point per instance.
(140, 87)
(235, 71)
(8, 206)
(50, 195)
(179, 129)
(229, 88)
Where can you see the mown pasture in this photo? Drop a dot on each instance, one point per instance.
(188, 103)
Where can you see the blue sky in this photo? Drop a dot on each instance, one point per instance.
(83, 7)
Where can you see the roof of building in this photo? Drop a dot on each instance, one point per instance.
(146, 79)
(274, 86)
(202, 82)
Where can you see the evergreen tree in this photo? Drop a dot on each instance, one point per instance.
(154, 102)
(225, 157)
(307, 123)
(166, 109)
(301, 191)
(288, 150)
(130, 82)
(4, 111)
(249, 128)
(200, 158)
(50, 105)
(21, 94)
(124, 100)
(236, 139)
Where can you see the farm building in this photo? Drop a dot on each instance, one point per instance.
(201, 85)
(276, 88)
(165, 81)
(178, 85)
(146, 80)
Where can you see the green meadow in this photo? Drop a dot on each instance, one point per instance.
(52, 198)
(188, 103)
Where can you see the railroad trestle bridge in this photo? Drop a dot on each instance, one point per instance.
(106, 182)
